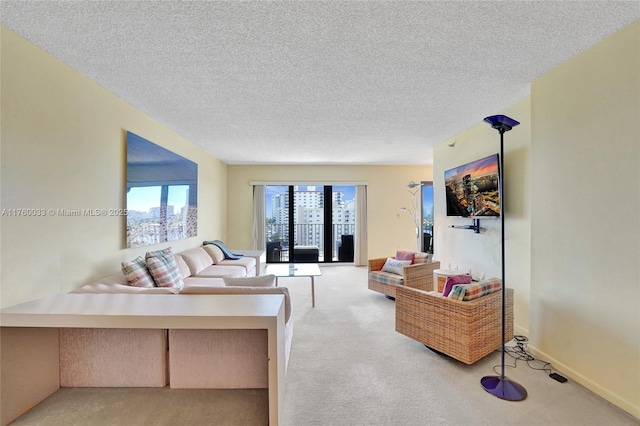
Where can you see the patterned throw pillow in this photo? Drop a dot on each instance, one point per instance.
(137, 273)
(475, 290)
(395, 266)
(422, 257)
(164, 269)
(262, 281)
(451, 281)
(405, 255)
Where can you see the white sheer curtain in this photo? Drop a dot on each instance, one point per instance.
(259, 242)
(360, 250)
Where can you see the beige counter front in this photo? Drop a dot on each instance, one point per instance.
(30, 354)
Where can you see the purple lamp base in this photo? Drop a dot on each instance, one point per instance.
(504, 388)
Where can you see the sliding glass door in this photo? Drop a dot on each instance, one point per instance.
(307, 223)
(427, 217)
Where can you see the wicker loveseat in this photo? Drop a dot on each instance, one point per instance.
(417, 275)
(464, 330)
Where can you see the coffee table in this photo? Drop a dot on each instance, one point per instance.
(284, 270)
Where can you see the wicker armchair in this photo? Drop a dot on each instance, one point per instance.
(466, 331)
(417, 275)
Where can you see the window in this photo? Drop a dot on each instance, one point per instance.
(427, 217)
(319, 216)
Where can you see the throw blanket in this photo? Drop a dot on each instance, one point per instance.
(225, 250)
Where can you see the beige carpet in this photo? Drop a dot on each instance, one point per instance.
(348, 366)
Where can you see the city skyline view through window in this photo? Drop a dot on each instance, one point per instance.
(314, 224)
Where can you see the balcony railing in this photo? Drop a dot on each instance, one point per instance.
(306, 234)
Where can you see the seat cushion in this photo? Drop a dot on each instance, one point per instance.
(196, 289)
(101, 288)
(262, 281)
(248, 263)
(203, 282)
(220, 271)
(386, 277)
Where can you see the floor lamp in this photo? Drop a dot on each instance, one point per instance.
(413, 188)
(501, 386)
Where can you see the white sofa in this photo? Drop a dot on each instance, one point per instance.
(241, 364)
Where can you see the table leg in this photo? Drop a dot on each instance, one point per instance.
(276, 281)
(313, 293)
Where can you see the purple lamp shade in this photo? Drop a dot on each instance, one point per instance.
(501, 122)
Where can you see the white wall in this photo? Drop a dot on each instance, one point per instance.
(585, 257)
(64, 147)
(389, 229)
(482, 252)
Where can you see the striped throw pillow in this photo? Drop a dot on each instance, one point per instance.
(422, 258)
(137, 273)
(164, 269)
(473, 291)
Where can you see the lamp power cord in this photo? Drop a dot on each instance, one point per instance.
(519, 353)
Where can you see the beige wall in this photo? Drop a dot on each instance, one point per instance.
(64, 147)
(482, 252)
(572, 189)
(389, 228)
(585, 257)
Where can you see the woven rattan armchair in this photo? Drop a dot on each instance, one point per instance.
(418, 275)
(464, 330)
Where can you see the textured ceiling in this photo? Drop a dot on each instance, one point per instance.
(317, 82)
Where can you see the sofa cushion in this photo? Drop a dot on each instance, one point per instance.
(262, 281)
(215, 252)
(386, 277)
(405, 255)
(473, 291)
(163, 268)
(243, 290)
(453, 280)
(204, 282)
(395, 266)
(248, 263)
(185, 272)
(219, 271)
(99, 288)
(137, 274)
(197, 259)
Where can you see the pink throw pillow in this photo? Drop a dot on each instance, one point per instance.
(405, 255)
(451, 281)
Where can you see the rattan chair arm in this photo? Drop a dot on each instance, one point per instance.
(377, 264)
(419, 275)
